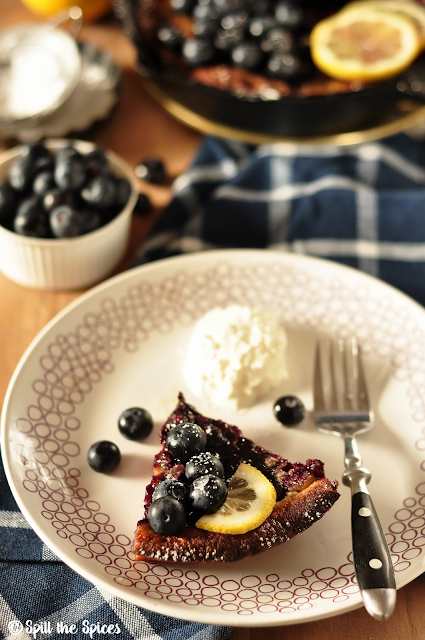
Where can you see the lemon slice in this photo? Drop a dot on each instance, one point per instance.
(364, 44)
(406, 8)
(250, 501)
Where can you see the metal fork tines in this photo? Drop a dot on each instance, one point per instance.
(341, 407)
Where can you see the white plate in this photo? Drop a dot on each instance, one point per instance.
(123, 343)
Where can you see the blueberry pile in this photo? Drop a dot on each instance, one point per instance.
(60, 194)
(261, 36)
(201, 490)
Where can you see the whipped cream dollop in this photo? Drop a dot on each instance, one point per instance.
(236, 355)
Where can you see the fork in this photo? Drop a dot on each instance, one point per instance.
(343, 409)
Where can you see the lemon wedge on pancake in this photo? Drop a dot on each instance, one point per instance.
(250, 501)
(364, 44)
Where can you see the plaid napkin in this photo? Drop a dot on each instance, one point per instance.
(38, 592)
(361, 205)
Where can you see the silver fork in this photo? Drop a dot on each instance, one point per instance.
(342, 408)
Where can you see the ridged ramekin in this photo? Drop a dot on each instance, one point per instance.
(67, 263)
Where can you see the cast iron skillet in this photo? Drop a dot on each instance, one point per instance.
(292, 116)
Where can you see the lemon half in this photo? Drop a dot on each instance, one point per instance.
(364, 44)
(250, 501)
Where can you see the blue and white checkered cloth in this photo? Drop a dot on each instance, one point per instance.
(361, 205)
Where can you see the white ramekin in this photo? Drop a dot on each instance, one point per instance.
(67, 263)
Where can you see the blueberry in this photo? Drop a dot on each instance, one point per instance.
(227, 6)
(208, 493)
(96, 162)
(285, 66)
(103, 456)
(237, 20)
(169, 36)
(31, 220)
(21, 174)
(135, 423)
(151, 170)
(166, 515)
(43, 163)
(278, 40)
(289, 14)
(34, 150)
(55, 198)
(204, 464)
(198, 51)
(122, 192)
(92, 220)
(100, 191)
(66, 222)
(204, 29)
(226, 39)
(43, 182)
(182, 6)
(205, 12)
(186, 440)
(247, 55)
(70, 171)
(7, 201)
(171, 487)
(289, 410)
(260, 25)
(143, 205)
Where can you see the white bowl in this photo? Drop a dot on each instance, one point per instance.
(67, 263)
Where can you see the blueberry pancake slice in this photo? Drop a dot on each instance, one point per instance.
(194, 478)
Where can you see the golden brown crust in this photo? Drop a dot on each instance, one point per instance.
(290, 516)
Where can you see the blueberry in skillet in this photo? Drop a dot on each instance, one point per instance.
(135, 423)
(166, 515)
(185, 441)
(289, 410)
(103, 456)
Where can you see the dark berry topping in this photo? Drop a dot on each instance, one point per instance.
(204, 464)
(259, 25)
(171, 487)
(43, 183)
(103, 456)
(290, 14)
(285, 66)
(55, 198)
(166, 515)
(151, 170)
(289, 410)
(208, 493)
(182, 6)
(135, 423)
(185, 441)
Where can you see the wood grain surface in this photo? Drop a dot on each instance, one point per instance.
(138, 128)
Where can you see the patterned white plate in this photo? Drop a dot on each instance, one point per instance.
(123, 343)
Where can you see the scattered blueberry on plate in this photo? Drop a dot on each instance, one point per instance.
(289, 410)
(135, 423)
(103, 456)
(151, 170)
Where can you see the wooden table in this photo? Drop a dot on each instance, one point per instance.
(136, 129)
